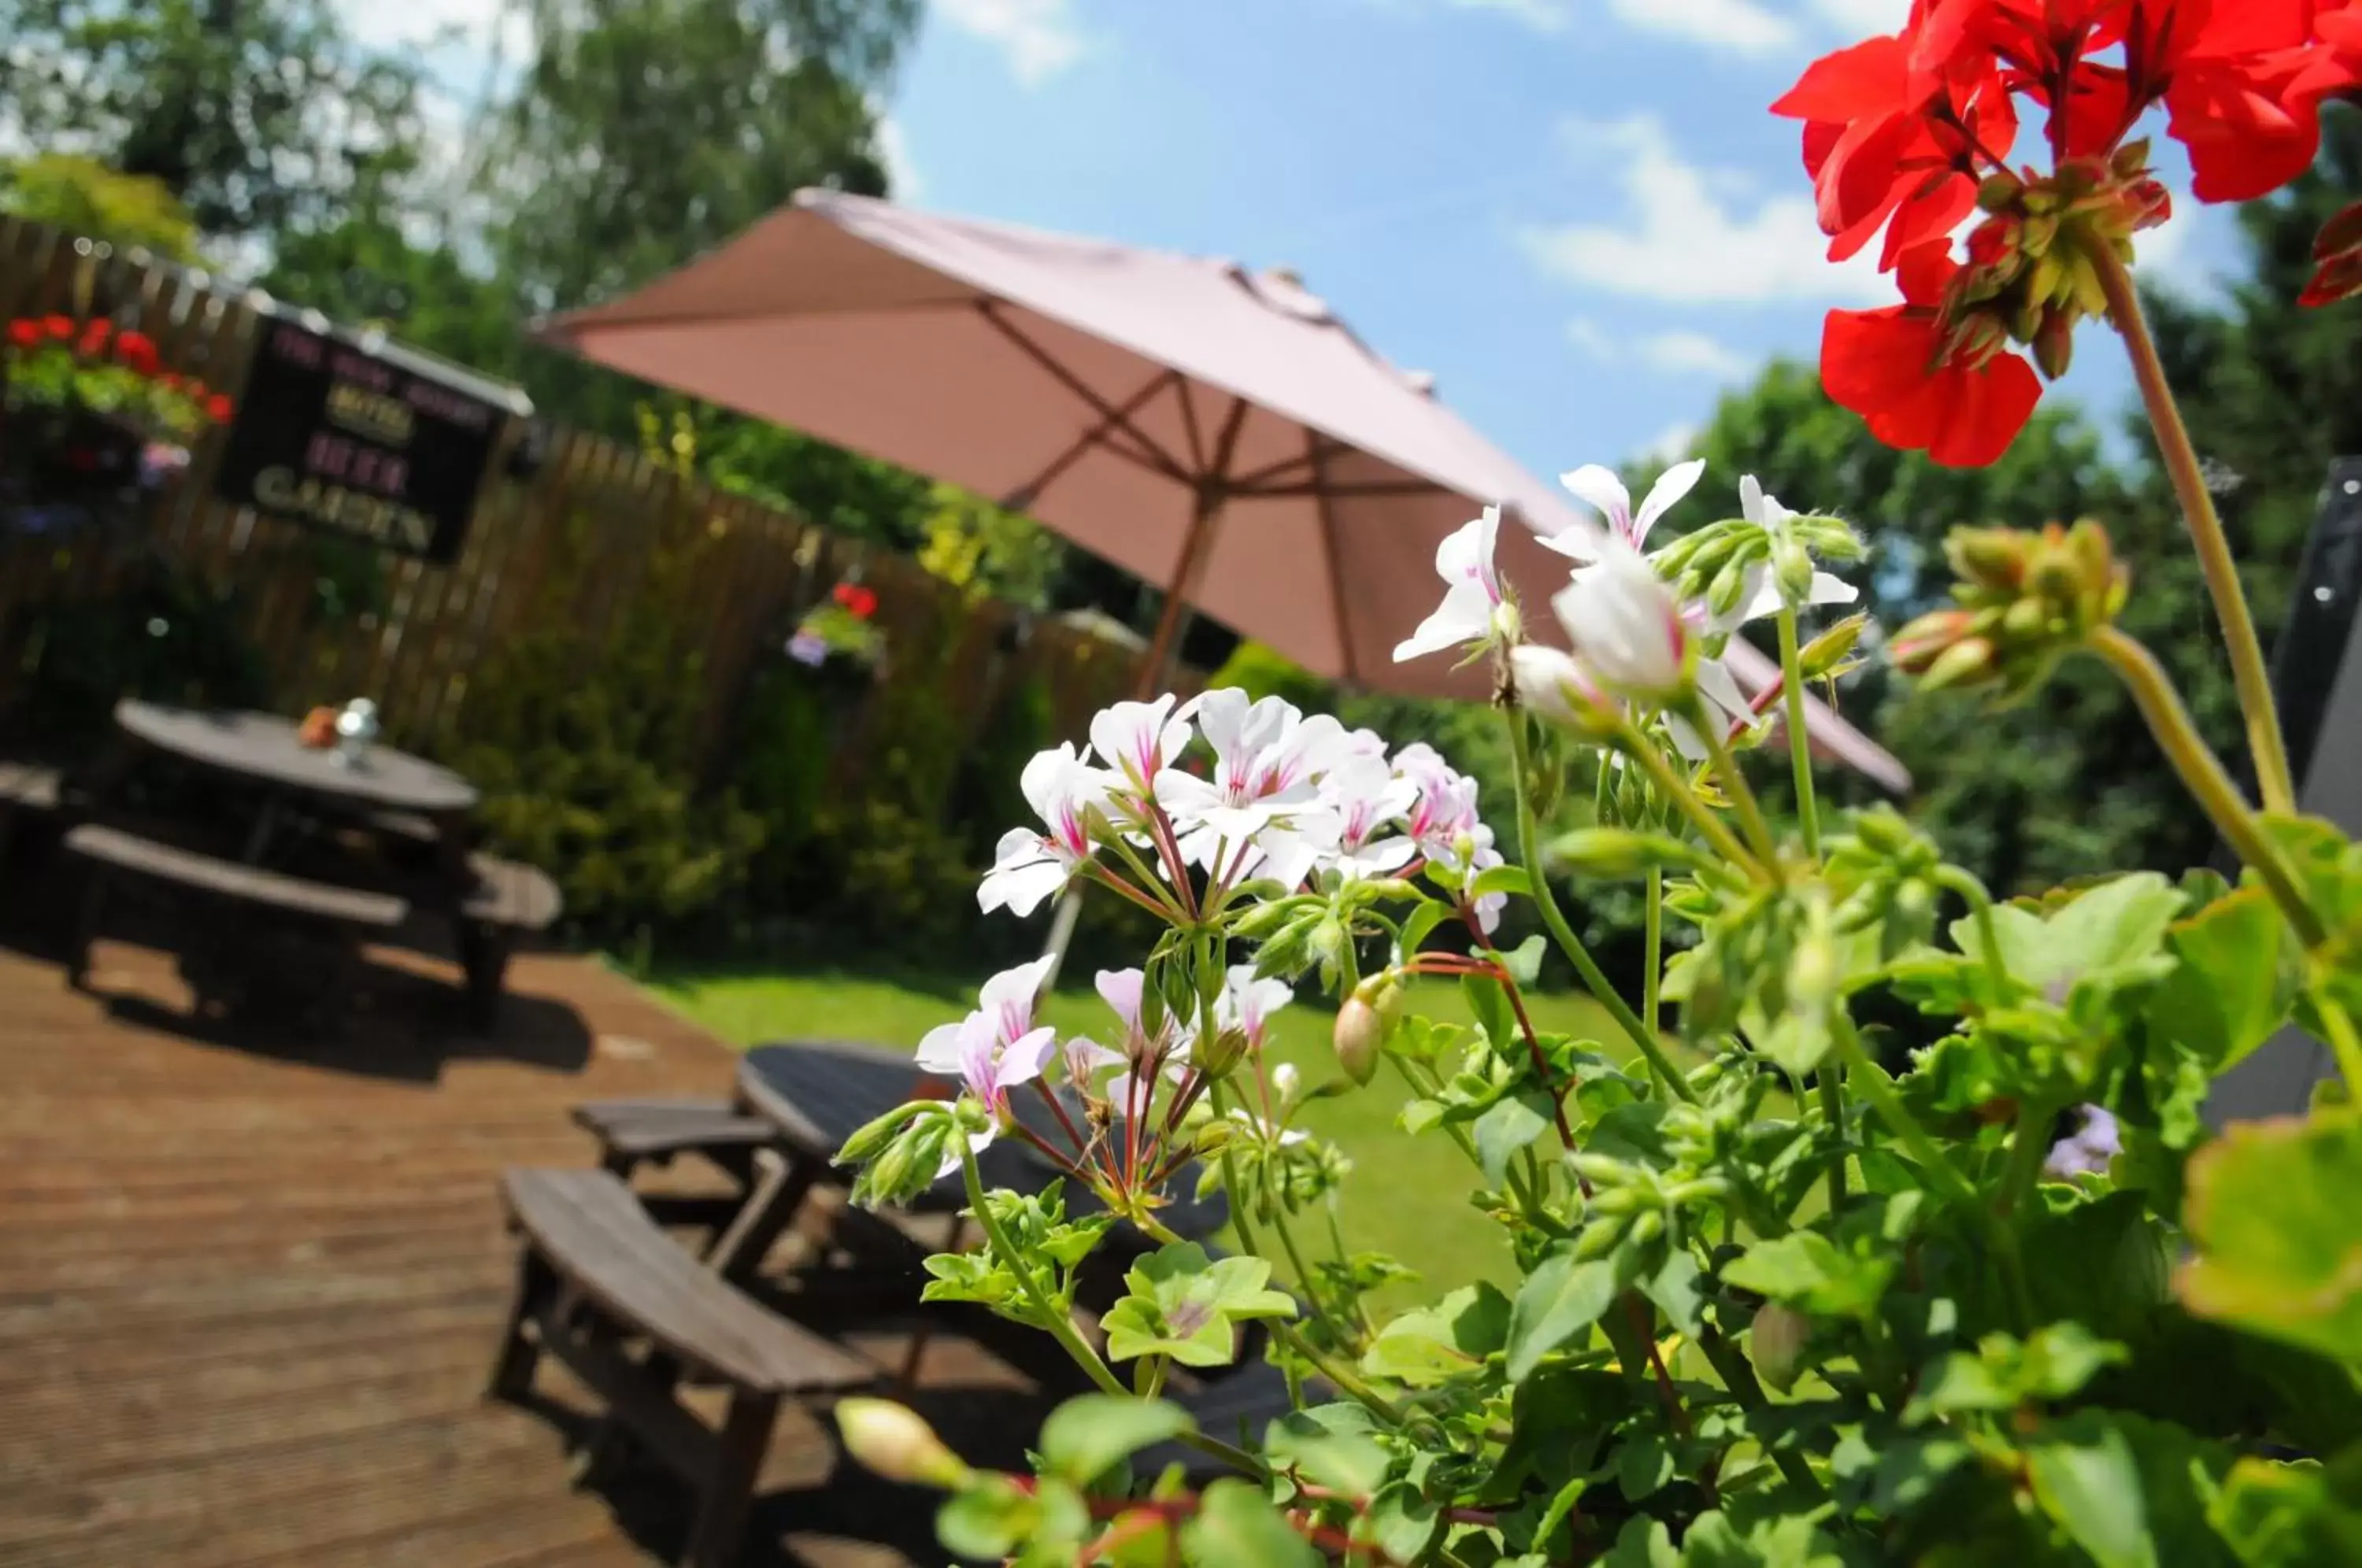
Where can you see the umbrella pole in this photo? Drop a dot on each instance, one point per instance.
(1155, 671)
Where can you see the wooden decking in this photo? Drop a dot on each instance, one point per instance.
(250, 1287)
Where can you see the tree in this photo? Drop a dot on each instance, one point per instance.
(642, 132)
(84, 196)
(256, 115)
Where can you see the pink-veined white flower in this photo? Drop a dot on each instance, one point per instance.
(1139, 740)
(1246, 1003)
(1029, 865)
(1762, 595)
(1553, 683)
(1263, 1132)
(1605, 494)
(1626, 627)
(1471, 596)
(1365, 796)
(1259, 813)
(994, 1049)
(1166, 1052)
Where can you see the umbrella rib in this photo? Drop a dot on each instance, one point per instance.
(1354, 488)
(1023, 497)
(1151, 455)
(1315, 458)
(1190, 427)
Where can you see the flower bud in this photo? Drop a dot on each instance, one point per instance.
(1616, 854)
(1363, 1025)
(1775, 1343)
(1552, 684)
(1827, 654)
(1287, 1083)
(869, 1140)
(1968, 660)
(1990, 557)
(1327, 943)
(2054, 343)
(1999, 192)
(1219, 1056)
(891, 1440)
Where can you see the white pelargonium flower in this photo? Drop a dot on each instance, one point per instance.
(1553, 683)
(1246, 1003)
(1028, 866)
(1626, 627)
(1602, 490)
(1168, 1048)
(1472, 606)
(1263, 1132)
(1762, 596)
(994, 1048)
(1259, 813)
(1139, 740)
(1366, 797)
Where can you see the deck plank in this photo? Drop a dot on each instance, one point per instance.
(250, 1287)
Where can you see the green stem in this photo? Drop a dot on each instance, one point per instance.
(2030, 1144)
(2342, 1039)
(1676, 788)
(1800, 742)
(1981, 909)
(1734, 783)
(1594, 978)
(1653, 956)
(1833, 1106)
(2248, 672)
(1304, 1280)
(1060, 1322)
(2169, 722)
(1941, 1174)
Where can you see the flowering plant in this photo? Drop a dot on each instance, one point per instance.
(1781, 1296)
(52, 362)
(840, 626)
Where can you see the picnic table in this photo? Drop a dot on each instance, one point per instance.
(341, 844)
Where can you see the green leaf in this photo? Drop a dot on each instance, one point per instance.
(1674, 1288)
(2272, 1208)
(987, 1521)
(1329, 1445)
(1561, 1507)
(1513, 1123)
(2086, 1477)
(1806, 1270)
(1643, 1544)
(1085, 1437)
(2116, 925)
(1559, 1300)
(2291, 1516)
(1402, 1522)
(1643, 1466)
(1490, 1006)
(1179, 1304)
(1524, 961)
(1451, 1338)
(2236, 980)
(1237, 1527)
(1418, 1115)
(1501, 880)
(2056, 1361)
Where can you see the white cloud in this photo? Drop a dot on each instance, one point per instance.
(1040, 37)
(1684, 242)
(1673, 444)
(1543, 16)
(1744, 27)
(474, 24)
(1863, 17)
(1676, 352)
(1684, 353)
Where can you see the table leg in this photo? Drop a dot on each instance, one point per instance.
(770, 1210)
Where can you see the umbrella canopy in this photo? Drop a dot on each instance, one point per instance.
(1215, 431)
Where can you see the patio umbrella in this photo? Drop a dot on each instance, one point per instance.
(1213, 430)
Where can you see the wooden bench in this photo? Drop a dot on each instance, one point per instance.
(596, 1274)
(27, 789)
(112, 855)
(632, 1133)
(508, 899)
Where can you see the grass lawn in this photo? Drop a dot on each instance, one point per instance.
(1407, 1195)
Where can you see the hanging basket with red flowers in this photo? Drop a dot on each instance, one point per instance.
(90, 410)
(841, 630)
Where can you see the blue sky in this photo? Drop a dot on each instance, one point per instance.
(1576, 213)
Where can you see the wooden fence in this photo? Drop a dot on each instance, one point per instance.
(752, 570)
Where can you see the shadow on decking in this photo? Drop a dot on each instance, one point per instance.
(251, 1281)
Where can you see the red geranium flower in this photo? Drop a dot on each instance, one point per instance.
(25, 334)
(1892, 367)
(217, 408)
(859, 602)
(59, 325)
(137, 352)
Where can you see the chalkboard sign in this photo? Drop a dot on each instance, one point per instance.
(362, 440)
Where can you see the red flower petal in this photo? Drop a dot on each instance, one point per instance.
(1868, 79)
